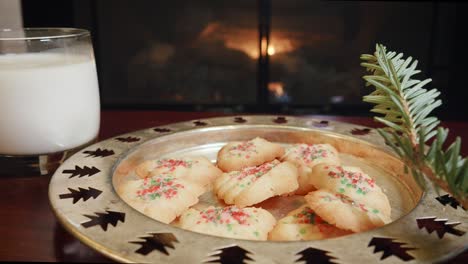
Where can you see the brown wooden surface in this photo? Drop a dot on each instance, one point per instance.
(28, 228)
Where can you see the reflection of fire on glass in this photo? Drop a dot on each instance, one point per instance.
(296, 64)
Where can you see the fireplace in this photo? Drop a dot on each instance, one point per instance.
(256, 56)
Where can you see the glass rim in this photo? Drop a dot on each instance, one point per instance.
(48, 33)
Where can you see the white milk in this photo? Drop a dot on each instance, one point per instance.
(48, 103)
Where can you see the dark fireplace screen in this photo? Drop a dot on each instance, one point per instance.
(252, 55)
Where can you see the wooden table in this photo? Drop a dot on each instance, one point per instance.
(28, 228)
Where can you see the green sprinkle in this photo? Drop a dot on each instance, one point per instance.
(302, 231)
(342, 190)
(256, 233)
(375, 211)
(312, 218)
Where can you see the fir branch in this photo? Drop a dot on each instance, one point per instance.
(405, 107)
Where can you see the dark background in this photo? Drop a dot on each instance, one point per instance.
(204, 55)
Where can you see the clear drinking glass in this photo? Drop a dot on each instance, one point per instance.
(49, 97)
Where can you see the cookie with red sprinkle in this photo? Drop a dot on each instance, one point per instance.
(304, 224)
(306, 157)
(246, 223)
(255, 184)
(352, 182)
(344, 212)
(237, 155)
(161, 197)
(197, 169)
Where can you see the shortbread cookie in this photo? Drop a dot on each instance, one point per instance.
(340, 210)
(255, 184)
(161, 197)
(306, 157)
(197, 169)
(237, 155)
(247, 223)
(304, 224)
(352, 182)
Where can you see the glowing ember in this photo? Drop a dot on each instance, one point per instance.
(276, 88)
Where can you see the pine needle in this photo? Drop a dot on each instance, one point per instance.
(405, 106)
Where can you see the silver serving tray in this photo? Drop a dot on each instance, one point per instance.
(83, 196)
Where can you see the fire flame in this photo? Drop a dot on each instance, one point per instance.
(246, 40)
(276, 88)
(271, 50)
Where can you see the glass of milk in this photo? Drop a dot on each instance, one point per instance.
(49, 97)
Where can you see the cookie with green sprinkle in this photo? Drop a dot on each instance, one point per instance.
(304, 224)
(246, 223)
